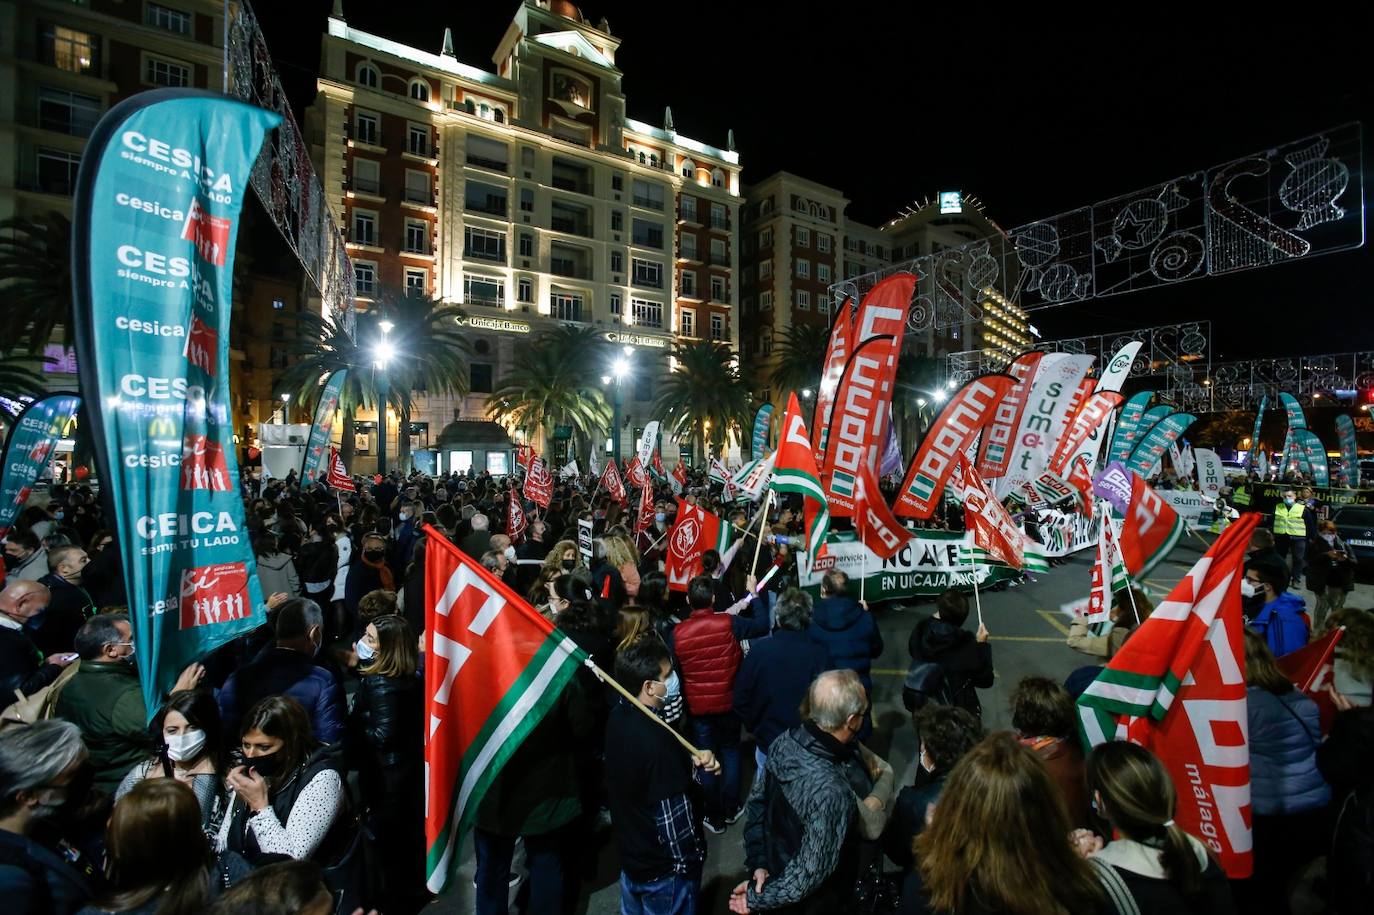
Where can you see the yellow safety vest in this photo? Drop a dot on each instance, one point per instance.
(1288, 520)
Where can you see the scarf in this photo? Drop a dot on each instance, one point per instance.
(383, 572)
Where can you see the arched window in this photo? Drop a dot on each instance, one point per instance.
(484, 111)
(499, 115)
(366, 75)
(419, 90)
(641, 157)
(717, 178)
(470, 106)
(689, 168)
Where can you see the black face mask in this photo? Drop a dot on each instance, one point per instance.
(373, 555)
(10, 562)
(569, 565)
(268, 765)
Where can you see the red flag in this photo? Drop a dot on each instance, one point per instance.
(645, 517)
(995, 450)
(659, 470)
(971, 408)
(1081, 479)
(494, 667)
(994, 531)
(836, 356)
(695, 531)
(794, 471)
(538, 483)
(523, 455)
(679, 478)
(1310, 668)
(1093, 413)
(516, 522)
(634, 472)
(1149, 531)
(611, 482)
(1177, 687)
(878, 530)
(338, 474)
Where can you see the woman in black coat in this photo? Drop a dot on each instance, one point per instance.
(386, 731)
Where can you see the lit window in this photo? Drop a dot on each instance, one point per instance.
(163, 17)
(69, 49)
(688, 323)
(364, 279)
(417, 281)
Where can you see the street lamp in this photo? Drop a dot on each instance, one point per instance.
(620, 370)
(806, 393)
(285, 399)
(384, 352)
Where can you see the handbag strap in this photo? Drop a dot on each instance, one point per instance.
(1120, 894)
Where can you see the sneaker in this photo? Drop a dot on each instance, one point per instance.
(713, 825)
(733, 818)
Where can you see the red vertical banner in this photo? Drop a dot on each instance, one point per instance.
(836, 355)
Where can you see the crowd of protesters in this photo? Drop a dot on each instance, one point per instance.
(285, 772)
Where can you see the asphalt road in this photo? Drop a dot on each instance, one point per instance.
(1027, 631)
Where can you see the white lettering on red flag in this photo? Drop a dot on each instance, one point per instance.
(968, 411)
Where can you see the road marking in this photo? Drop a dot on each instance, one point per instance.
(1050, 618)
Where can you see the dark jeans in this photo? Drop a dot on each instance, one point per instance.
(544, 854)
(1293, 549)
(720, 735)
(671, 895)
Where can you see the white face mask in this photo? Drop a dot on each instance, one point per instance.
(186, 745)
(510, 553)
(365, 651)
(1248, 588)
(1329, 538)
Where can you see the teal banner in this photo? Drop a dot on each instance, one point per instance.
(162, 182)
(1313, 455)
(1255, 437)
(1147, 454)
(1350, 452)
(28, 449)
(316, 460)
(1128, 426)
(763, 423)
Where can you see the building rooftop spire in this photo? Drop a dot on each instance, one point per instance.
(338, 10)
(668, 118)
(448, 43)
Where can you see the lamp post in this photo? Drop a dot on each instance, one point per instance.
(620, 369)
(384, 353)
(285, 400)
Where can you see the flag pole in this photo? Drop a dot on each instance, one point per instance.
(977, 601)
(758, 542)
(634, 700)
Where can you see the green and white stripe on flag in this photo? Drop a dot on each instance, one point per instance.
(1033, 560)
(818, 524)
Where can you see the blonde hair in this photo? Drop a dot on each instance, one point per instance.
(634, 623)
(397, 652)
(621, 552)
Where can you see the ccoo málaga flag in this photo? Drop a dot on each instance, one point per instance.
(494, 669)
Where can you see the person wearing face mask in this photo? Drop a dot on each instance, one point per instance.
(1331, 572)
(25, 557)
(186, 732)
(105, 700)
(650, 784)
(366, 573)
(563, 559)
(22, 666)
(1293, 523)
(386, 738)
(798, 842)
(40, 767)
(501, 545)
(290, 669)
(407, 530)
(1282, 621)
(317, 562)
(944, 734)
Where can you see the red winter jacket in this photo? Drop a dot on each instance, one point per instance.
(709, 656)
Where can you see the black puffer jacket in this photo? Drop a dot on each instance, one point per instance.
(964, 662)
(387, 722)
(1344, 762)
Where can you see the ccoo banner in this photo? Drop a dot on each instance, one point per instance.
(28, 448)
(161, 185)
(317, 449)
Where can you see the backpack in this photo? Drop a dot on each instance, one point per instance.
(38, 705)
(926, 682)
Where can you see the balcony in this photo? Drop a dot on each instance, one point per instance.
(492, 206)
(370, 189)
(566, 311)
(420, 197)
(495, 165)
(485, 254)
(720, 225)
(363, 137)
(647, 203)
(559, 266)
(571, 226)
(486, 301)
(720, 260)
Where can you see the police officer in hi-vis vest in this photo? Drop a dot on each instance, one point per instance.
(1291, 520)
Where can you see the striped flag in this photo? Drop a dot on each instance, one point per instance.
(337, 476)
(495, 668)
(794, 470)
(1109, 571)
(1032, 560)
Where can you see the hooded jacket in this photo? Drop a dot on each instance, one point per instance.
(848, 632)
(1283, 623)
(277, 574)
(964, 662)
(797, 826)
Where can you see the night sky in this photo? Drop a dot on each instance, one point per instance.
(1034, 118)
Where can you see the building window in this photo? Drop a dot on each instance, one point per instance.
(366, 75)
(803, 237)
(417, 282)
(485, 152)
(803, 270)
(617, 221)
(765, 270)
(689, 169)
(526, 244)
(484, 290)
(718, 255)
(647, 273)
(417, 139)
(566, 306)
(765, 300)
(618, 261)
(419, 90)
(615, 303)
(527, 200)
(487, 199)
(717, 178)
(67, 112)
(823, 272)
(364, 227)
(570, 218)
(689, 284)
(646, 313)
(158, 72)
(803, 300)
(689, 208)
(366, 176)
(163, 17)
(688, 245)
(484, 244)
(57, 171)
(688, 322)
(479, 382)
(647, 234)
(718, 216)
(718, 289)
(617, 182)
(69, 49)
(717, 327)
(823, 303)
(417, 236)
(647, 195)
(419, 187)
(365, 127)
(364, 279)
(822, 243)
(767, 343)
(766, 238)
(524, 289)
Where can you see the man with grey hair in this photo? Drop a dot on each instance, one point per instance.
(774, 676)
(479, 541)
(22, 666)
(40, 769)
(798, 845)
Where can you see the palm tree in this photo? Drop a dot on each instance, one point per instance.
(709, 389)
(18, 380)
(553, 382)
(35, 281)
(800, 357)
(324, 347)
